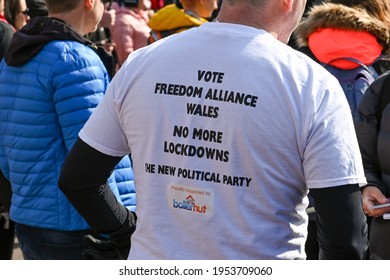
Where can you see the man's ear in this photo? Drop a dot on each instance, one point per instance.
(287, 5)
(89, 4)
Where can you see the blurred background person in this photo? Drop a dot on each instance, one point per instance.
(358, 29)
(157, 4)
(13, 16)
(102, 38)
(6, 31)
(16, 13)
(335, 29)
(373, 132)
(185, 14)
(52, 78)
(130, 30)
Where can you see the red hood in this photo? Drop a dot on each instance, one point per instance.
(328, 44)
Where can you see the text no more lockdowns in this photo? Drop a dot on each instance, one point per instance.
(209, 111)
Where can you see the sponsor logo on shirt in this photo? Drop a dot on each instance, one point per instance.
(191, 200)
(189, 205)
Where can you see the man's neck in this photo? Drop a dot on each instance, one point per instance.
(74, 19)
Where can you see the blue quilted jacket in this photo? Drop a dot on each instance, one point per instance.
(51, 80)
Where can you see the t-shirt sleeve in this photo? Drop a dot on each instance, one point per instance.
(332, 156)
(103, 131)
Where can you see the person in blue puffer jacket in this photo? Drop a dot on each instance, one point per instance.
(51, 80)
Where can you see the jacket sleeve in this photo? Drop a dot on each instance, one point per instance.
(341, 223)
(79, 83)
(124, 177)
(83, 181)
(367, 129)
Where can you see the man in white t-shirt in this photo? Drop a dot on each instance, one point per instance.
(228, 128)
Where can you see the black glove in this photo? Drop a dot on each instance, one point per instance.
(106, 249)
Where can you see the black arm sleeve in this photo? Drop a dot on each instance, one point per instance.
(341, 223)
(83, 181)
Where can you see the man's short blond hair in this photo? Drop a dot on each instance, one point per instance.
(60, 6)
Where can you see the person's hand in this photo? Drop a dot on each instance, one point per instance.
(373, 196)
(108, 46)
(106, 249)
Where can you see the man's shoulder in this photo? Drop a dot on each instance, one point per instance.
(62, 46)
(63, 51)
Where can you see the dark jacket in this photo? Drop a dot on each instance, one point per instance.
(373, 132)
(374, 137)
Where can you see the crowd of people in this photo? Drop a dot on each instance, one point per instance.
(215, 121)
(359, 31)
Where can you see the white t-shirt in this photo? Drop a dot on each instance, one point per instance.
(228, 129)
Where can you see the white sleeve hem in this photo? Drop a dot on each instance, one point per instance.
(101, 148)
(337, 182)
